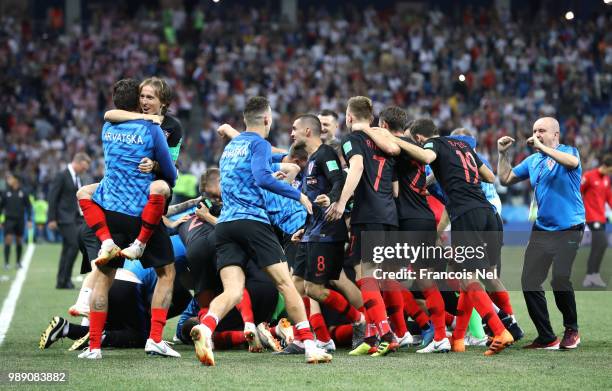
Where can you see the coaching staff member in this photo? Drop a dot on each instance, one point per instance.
(554, 172)
(64, 213)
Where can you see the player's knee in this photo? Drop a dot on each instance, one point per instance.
(166, 273)
(315, 291)
(160, 187)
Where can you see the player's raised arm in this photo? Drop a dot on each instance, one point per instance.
(116, 116)
(384, 140)
(262, 173)
(423, 155)
(162, 155)
(506, 175)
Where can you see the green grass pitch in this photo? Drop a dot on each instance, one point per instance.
(588, 368)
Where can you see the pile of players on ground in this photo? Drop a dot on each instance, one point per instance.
(272, 249)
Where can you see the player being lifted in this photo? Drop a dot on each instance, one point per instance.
(243, 231)
(369, 178)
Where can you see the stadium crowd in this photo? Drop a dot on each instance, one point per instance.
(469, 70)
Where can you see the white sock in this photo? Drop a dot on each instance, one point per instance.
(249, 326)
(303, 325)
(84, 321)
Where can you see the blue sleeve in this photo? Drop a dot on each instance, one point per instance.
(260, 168)
(278, 157)
(161, 154)
(191, 311)
(522, 169)
(275, 166)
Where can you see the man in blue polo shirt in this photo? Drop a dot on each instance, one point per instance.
(554, 172)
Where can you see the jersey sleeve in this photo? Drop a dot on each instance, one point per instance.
(351, 147)
(161, 154)
(278, 157)
(432, 145)
(477, 159)
(260, 168)
(522, 169)
(330, 164)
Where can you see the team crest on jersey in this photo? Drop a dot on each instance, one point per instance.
(550, 163)
(166, 133)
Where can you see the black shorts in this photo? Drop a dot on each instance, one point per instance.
(420, 232)
(354, 252)
(241, 240)
(124, 230)
(300, 258)
(89, 246)
(14, 226)
(201, 256)
(324, 261)
(481, 230)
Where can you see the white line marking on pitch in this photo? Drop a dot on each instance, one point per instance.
(8, 307)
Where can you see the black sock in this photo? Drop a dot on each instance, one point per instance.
(76, 331)
(7, 253)
(19, 249)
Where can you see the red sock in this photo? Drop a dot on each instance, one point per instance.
(245, 308)
(435, 306)
(202, 313)
(413, 309)
(151, 216)
(484, 306)
(319, 327)
(95, 219)
(158, 321)
(374, 304)
(448, 318)
(395, 309)
(97, 320)
(338, 303)
(302, 331)
(209, 321)
(343, 335)
(306, 301)
(502, 300)
(228, 339)
(464, 312)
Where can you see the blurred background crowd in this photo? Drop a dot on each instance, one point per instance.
(464, 66)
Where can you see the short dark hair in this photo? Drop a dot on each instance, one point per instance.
(312, 122)
(126, 95)
(361, 107)
(395, 117)
(207, 176)
(298, 151)
(255, 108)
(606, 160)
(81, 157)
(425, 127)
(327, 112)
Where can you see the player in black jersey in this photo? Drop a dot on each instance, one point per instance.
(370, 178)
(416, 217)
(324, 240)
(459, 170)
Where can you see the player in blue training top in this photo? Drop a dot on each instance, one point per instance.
(243, 231)
(122, 194)
(554, 172)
